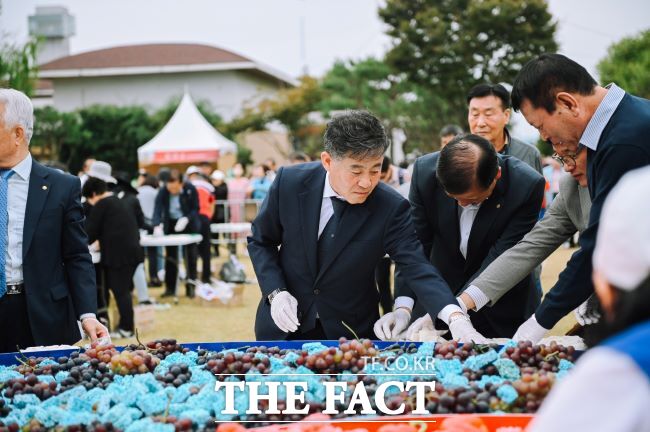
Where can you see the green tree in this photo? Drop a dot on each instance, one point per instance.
(451, 45)
(628, 64)
(18, 68)
(56, 132)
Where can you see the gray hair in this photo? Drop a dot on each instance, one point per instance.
(18, 111)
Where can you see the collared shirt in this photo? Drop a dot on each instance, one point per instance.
(601, 117)
(466, 216)
(18, 188)
(175, 211)
(326, 209)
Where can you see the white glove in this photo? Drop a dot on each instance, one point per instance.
(392, 324)
(422, 323)
(181, 224)
(284, 311)
(587, 313)
(530, 330)
(463, 331)
(158, 231)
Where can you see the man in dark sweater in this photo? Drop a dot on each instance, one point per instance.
(571, 111)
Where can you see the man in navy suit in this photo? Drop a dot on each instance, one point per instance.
(48, 280)
(571, 111)
(471, 204)
(320, 233)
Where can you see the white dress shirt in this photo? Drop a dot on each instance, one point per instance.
(466, 216)
(326, 209)
(17, 190)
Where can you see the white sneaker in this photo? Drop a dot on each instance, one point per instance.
(121, 334)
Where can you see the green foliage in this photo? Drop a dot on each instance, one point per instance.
(628, 64)
(450, 45)
(18, 68)
(544, 147)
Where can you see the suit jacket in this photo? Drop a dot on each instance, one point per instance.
(568, 213)
(58, 271)
(524, 152)
(283, 249)
(189, 199)
(624, 145)
(503, 219)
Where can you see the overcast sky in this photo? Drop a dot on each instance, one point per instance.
(269, 31)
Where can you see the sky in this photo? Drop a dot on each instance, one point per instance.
(294, 36)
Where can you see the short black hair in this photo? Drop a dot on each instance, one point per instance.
(544, 76)
(175, 176)
(488, 89)
(93, 186)
(150, 180)
(459, 169)
(357, 134)
(450, 129)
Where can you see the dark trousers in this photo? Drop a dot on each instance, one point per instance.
(204, 249)
(120, 281)
(14, 323)
(382, 277)
(171, 261)
(102, 295)
(152, 257)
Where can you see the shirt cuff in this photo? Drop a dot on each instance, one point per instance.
(480, 299)
(404, 301)
(446, 312)
(87, 315)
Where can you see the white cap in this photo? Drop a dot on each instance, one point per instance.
(217, 175)
(102, 171)
(192, 169)
(622, 251)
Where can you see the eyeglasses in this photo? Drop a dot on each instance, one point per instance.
(568, 160)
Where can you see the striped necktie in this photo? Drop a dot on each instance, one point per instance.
(4, 221)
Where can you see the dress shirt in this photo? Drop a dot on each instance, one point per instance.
(466, 216)
(326, 209)
(16, 205)
(601, 117)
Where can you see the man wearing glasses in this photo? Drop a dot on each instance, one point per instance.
(558, 97)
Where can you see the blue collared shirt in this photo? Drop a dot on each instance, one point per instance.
(16, 204)
(601, 117)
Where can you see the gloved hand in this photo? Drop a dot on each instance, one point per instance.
(181, 223)
(392, 324)
(158, 231)
(588, 312)
(422, 323)
(284, 311)
(463, 331)
(530, 330)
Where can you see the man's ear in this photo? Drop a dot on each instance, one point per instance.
(498, 174)
(567, 102)
(326, 160)
(507, 112)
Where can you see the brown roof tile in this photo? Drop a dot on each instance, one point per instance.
(145, 55)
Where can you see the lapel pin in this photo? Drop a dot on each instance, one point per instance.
(44, 187)
(498, 205)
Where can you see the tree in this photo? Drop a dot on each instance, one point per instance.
(56, 132)
(18, 68)
(628, 64)
(450, 45)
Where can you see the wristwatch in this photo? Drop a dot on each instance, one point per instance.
(271, 296)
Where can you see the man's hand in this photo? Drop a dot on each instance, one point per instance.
(181, 223)
(422, 323)
(587, 313)
(530, 330)
(94, 329)
(392, 324)
(462, 330)
(158, 231)
(284, 311)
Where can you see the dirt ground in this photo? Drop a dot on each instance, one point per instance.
(189, 321)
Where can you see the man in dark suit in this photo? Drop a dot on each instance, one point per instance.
(47, 279)
(571, 111)
(320, 233)
(469, 206)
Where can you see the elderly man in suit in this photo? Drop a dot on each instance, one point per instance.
(568, 214)
(470, 205)
(47, 281)
(559, 97)
(320, 233)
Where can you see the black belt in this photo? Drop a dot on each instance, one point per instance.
(13, 289)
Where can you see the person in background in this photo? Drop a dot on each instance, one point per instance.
(613, 377)
(177, 211)
(298, 157)
(238, 187)
(259, 183)
(112, 223)
(559, 97)
(448, 132)
(206, 169)
(47, 279)
(83, 176)
(147, 191)
(205, 191)
(221, 196)
(271, 168)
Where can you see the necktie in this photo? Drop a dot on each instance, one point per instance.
(326, 239)
(4, 220)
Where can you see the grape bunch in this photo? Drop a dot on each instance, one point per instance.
(4, 409)
(29, 385)
(177, 375)
(11, 427)
(543, 357)
(96, 375)
(532, 389)
(235, 363)
(133, 362)
(160, 348)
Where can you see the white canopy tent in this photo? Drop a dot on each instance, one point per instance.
(186, 138)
